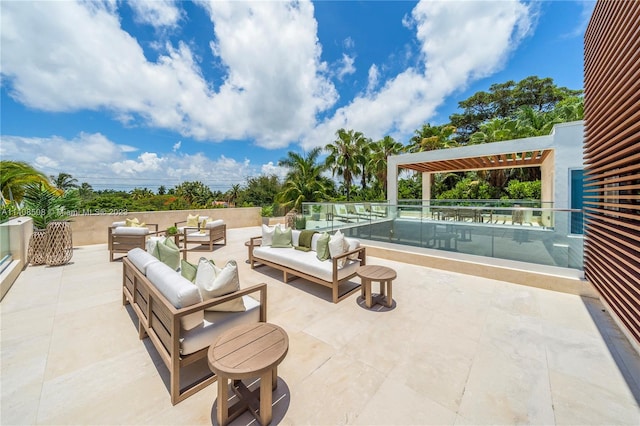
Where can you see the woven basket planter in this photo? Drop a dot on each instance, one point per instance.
(59, 246)
(36, 252)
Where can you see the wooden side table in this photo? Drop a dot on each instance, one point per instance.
(246, 351)
(384, 275)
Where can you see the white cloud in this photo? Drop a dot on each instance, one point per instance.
(348, 43)
(274, 83)
(95, 159)
(346, 67)
(158, 13)
(373, 77)
(272, 169)
(176, 146)
(80, 58)
(460, 41)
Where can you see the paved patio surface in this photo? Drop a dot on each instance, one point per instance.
(453, 350)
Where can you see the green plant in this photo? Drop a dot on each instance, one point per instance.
(301, 222)
(267, 211)
(172, 230)
(45, 205)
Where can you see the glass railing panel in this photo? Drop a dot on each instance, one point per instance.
(5, 245)
(538, 235)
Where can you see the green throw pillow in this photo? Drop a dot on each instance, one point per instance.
(188, 270)
(168, 253)
(281, 239)
(322, 247)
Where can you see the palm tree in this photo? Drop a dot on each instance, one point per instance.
(85, 191)
(141, 193)
(429, 138)
(343, 158)
(303, 182)
(380, 152)
(233, 193)
(530, 122)
(363, 151)
(14, 178)
(64, 181)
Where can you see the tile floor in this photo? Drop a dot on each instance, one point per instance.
(454, 350)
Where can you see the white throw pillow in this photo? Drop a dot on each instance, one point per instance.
(352, 244)
(337, 247)
(152, 242)
(267, 235)
(215, 282)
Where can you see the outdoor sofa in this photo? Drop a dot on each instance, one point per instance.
(171, 312)
(305, 264)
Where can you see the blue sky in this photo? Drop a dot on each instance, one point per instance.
(148, 93)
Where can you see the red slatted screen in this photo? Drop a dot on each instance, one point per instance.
(612, 157)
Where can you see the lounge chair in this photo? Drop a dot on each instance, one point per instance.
(378, 210)
(341, 212)
(362, 212)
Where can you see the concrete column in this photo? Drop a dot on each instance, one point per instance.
(392, 182)
(426, 185)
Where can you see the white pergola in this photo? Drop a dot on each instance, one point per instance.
(556, 154)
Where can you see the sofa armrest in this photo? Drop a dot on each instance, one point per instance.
(255, 241)
(362, 255)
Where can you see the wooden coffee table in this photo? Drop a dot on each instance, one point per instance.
(247, 351)
(384, 275)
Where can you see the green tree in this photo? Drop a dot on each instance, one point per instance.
(363, 155)
(429, 138)
(64, 181)
(343, 158)
(15, 176)
(377, 165)
(304, 181)
(141, 193)
(196, 194)
(260, 191)
(162, 190)
(233, 193)
(85, 191)
(503, 101)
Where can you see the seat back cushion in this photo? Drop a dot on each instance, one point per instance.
(214, 223)
(295, 237)
(141, 259)
(130, 230)
(179, 291)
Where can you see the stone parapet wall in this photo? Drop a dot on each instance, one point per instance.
(92, 228)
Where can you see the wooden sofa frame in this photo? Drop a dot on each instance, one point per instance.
(216, 234)
(334, 284)
(121, 243)
(159, 320)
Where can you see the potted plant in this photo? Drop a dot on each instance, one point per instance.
(172, 231)
(266, 213)
(316, 209)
